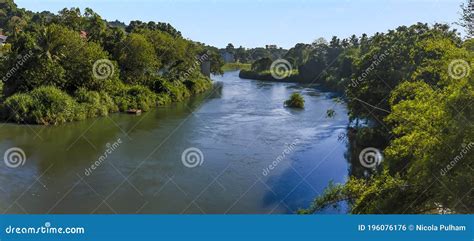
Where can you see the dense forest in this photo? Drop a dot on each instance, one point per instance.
(70, 66)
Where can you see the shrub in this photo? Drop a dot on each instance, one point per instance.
(135, 97)
(330, 113)
(296, 101)
(197, 84)
(17, 108)
(163, 99)
(95, 103)
(46, 105)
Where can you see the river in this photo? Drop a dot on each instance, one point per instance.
(254, 156)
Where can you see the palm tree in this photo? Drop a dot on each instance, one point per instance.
(49, 44)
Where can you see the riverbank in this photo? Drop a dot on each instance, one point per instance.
(295, 77)
(235, 66)
(48, 105)
(96, 70)
(267, 76)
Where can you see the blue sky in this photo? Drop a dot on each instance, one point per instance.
(253, 23)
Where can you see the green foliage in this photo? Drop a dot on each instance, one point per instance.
(17, 108)
(391, 59)
(373, 195)
(262, 65)
(92, 68)
(428, 79)
(135, 97)
(137, 59)
(248, 56)
(94, 104)
(330, 113)
(296, 101)
(135, 26)
(235, 66)
(55, 55)
(45, 105)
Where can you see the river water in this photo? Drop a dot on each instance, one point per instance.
(251, 155)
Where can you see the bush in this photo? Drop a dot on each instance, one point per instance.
(176, 90)
(17, 108)
(46, 105)
(296, 101)
(135, 97)
(94, 103)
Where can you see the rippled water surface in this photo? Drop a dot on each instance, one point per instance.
(258, 157)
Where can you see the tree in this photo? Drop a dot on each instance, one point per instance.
(94, 26)
(390, 59)
(137, 59)
(15, 25)
(163, 27)
(262, 64)
(230, 48)
(301, 52)
(59, 57)
(465, 19)
(71, 18)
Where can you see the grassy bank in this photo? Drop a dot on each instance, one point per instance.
(48, 105)
(235, 66)
(267, 76)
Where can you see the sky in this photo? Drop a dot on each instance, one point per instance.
(256, 23)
